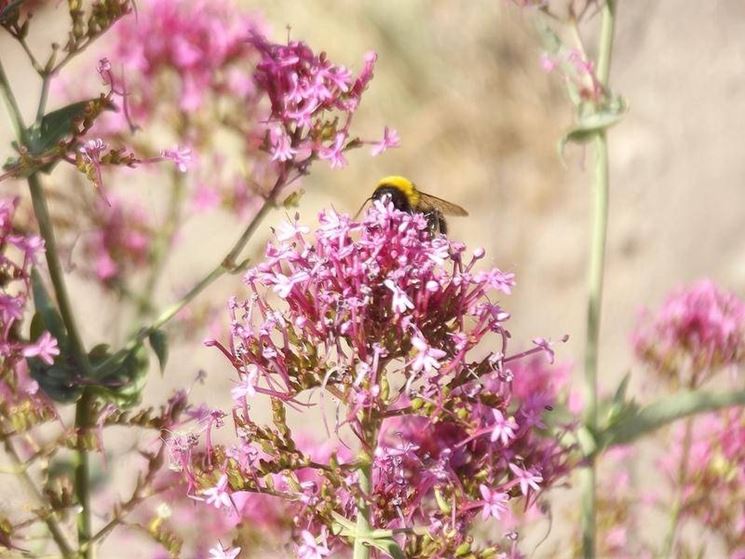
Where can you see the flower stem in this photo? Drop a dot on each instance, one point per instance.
(50, 519)
(83, 407)
(162, 242)
(370, 427)
(669, 543)
(596, 268)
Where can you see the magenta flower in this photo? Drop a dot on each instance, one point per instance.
(392, 322)
(218, 495)
(310, 549)
(45, 348)
(503, 428)
(220, 552)
(528, 480)
(181, 157)
(390, 140)
(495, 502)
(697, 330)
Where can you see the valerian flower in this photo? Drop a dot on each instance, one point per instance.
(697, 331)
(395, 325)
(19, 253)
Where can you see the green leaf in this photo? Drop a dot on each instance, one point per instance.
(620, 394)
(122, 379)
(590, 124)
(58, 381)
(54, 126)
(159, 342)
(639, 422)
(49, 318)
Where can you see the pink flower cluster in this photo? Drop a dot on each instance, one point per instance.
(698, 330)
(119, 241)
(309, 95)
(391, 322)
(19, 253)
(712, 484)
(198, 41)
(198, 67)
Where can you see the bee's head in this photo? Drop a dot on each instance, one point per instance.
(401, 191)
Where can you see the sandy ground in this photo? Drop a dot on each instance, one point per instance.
(479, 123)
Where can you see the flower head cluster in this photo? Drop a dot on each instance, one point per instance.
(19, 253)
(119, 241)
(697, 330)
(712, 482)
(312, 102)
(392, 323)
(197, 66)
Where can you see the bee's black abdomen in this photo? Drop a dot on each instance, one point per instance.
(398, 198)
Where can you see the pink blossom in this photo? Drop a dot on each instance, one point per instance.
(495, 502)
(528, 480)
(181, 157)
(220, 552)
(45, 348)
(310, 549)
(390, 140)
(503, 428)
(427, 358)
(218, 496)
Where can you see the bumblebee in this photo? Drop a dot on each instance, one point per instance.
(405, 196)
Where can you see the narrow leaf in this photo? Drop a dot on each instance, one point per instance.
(665, 411)
(159, 342)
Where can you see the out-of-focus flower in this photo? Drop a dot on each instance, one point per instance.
(19, 253)
(119, 242)
(220, 552)
(698, 330)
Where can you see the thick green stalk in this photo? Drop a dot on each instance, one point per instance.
(83, 408)
(370, 427)
(595, 290)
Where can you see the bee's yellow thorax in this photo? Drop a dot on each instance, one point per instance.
(404, 185)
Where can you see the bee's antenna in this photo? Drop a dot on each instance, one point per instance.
(362, 207)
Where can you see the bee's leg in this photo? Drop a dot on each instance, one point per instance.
(436, 222)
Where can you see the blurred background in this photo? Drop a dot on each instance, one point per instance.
(479, 123)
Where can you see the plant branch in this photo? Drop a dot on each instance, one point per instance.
(666, 410)
(83, 418)
(58, 534)
(596, 271)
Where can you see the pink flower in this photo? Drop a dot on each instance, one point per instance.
(503, 428)
(45, 348)
(334, 154)
(218, 495)
(427, 358)
(390, 140)
(701, 326)
(528, 480)
(181, 157)
(220, 552)
(310, 549)
(495, 502)
(400, 302)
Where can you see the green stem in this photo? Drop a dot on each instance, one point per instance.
(83, 407)
(227, 264)
(12, 105)
(370, 427)
(596, 269)
(83, 422)
(161, 244)
(667, 549)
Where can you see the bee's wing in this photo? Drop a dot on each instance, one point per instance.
(429, 202)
